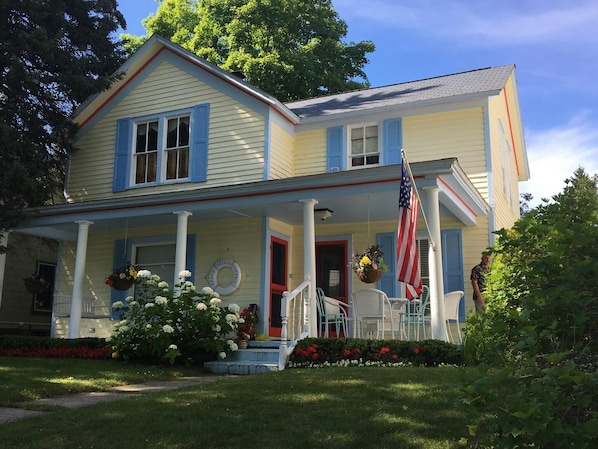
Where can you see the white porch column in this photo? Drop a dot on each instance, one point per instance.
(181, 244)
(309, 261)
(432, 210)
(78, 278)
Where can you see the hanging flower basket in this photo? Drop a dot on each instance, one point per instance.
(369, 265)
(121, 284)
(123, 278)
(370, 276)
(35, 285)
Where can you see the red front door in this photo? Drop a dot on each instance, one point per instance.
(278, 282)
(331, 270)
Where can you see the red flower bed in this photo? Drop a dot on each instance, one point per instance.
(74, 353)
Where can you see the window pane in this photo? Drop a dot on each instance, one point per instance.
(155, 254)
(158, 259)
(184, 132)
(171, 164)
(152, 163)
(371, 131)
(140, 168)
(371, 145)
(372, 160)
(357, 161)
(357, 147)
(152, 138)
(141, 137)
(184, 163)
(171, 134)
(356, 133)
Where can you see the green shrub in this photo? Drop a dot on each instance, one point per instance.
(538, 339)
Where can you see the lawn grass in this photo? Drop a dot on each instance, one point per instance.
(26, 378)
(365, 407)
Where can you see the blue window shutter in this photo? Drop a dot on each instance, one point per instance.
(120, 259)
(452, 261)
(393, 141)
(334, 149)
(388, 245)
(122, 155)
(199, 143)
(190, 256)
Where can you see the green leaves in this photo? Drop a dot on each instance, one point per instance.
(292, 49)
(541, 322)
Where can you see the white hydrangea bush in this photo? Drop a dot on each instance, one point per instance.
(166, 324)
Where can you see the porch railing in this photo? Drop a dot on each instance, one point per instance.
(89, 307)
(294, 313)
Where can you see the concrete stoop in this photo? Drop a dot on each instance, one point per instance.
(259, 357)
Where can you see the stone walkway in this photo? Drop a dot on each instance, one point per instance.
(8, 414)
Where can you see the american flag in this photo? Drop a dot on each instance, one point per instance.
(407, 253)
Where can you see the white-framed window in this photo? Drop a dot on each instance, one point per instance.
(158, 258)
(170, 147)
(161, 149)
(364, 145)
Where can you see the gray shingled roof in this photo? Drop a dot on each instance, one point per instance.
(459, 85)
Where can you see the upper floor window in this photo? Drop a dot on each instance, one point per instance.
(364, 147)
(170, 147)
(174, 159)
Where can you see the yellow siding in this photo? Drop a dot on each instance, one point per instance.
(24, 251)
(282, 153)
(236, 136)
(506, 200)
(457, 134)
(239, 240)
(310, 155)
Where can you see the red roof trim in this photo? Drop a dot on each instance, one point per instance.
(447, 187)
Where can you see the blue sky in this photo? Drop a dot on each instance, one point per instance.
(554, 45)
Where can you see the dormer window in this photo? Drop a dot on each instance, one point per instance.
(159, 149)
(175, 145)
(364, 150)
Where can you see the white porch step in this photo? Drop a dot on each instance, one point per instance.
(259, 357)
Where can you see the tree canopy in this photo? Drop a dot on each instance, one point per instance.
(292, 49)
(53, 56)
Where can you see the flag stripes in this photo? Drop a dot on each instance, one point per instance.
(407, 253)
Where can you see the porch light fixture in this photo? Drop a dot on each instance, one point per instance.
(323, 214)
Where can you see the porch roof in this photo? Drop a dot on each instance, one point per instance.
(354, 196)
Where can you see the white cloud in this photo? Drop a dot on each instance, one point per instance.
(483, 22)
(554, 154)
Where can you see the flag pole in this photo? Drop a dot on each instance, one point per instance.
(406, 162)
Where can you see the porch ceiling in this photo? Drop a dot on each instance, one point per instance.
(352, 195)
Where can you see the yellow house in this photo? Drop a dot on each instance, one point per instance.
(185, 166)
